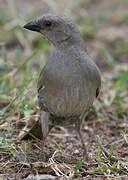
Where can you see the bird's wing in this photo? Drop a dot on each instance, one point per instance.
(92, 72)
(40, 80)
(40, 86)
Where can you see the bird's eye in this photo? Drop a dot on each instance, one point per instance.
(47, 23)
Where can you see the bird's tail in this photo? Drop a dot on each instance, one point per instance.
(44, 118)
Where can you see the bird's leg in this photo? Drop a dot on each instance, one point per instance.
(82, 140)
(78, 126)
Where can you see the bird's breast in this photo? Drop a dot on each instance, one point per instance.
(65, 100)
(66, 89)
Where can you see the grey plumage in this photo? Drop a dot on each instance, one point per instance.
(70, 80)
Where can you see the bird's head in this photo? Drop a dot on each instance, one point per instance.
(58, 29)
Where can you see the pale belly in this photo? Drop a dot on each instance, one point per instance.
(66, 101)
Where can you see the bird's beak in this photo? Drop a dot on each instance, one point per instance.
(33, 26)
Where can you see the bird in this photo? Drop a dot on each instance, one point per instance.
(70, 80)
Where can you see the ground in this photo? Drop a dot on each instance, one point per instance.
(103, 25)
